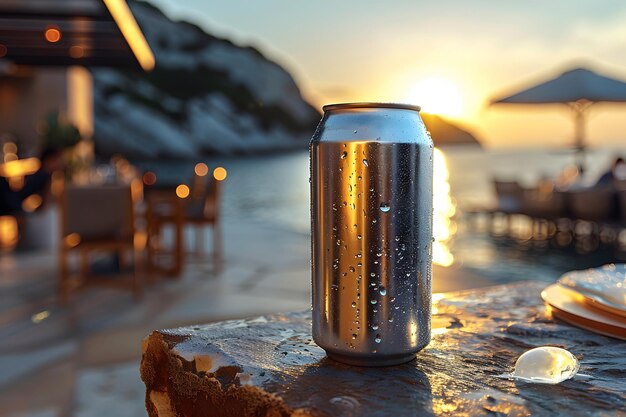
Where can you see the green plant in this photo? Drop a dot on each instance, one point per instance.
(58, 133)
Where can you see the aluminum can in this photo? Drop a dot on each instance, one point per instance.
(371, 221)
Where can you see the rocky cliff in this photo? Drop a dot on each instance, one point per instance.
(205, 96)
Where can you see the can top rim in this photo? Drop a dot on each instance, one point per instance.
(368, 105)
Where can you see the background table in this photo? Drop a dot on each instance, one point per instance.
(269, 366)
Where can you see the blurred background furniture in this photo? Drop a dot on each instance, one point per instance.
(99, 219)
(202, 209)
(164, 208)
(593, 204)
(196, 206)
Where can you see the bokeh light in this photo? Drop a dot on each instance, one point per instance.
(220, 173)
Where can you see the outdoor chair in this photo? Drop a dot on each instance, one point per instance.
(99, 219)
(510, 196)
(593, 204)
(550, 205)
(199, 208)
(202, 209)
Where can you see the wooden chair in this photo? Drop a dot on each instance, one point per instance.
(202, 209)
(99, 219)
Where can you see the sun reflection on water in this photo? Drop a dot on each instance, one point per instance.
(444, 208)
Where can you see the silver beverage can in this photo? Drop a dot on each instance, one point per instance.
(371, 220)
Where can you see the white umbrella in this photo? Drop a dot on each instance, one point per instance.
(579, 89)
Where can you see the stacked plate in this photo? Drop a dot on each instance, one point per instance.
(594, 299)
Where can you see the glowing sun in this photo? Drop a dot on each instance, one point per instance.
(436, 96)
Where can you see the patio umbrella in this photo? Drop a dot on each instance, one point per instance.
(579, 89)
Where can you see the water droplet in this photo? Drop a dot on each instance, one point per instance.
(344, 154)
(384, 207)
(374, 326)
(374, 220)
(379, 254)
(372, 274)
(353, 304)
(345, 402)
(546, 365)
(365, 162)
(335, 287)
(397, 238)
(378, 339)
(359, 255)
(338, 242)
(351, 269)
(374, 302)
(383, 291)
(360, 264)
(354, 335)
(360, 178)
(354, 132)
(373, 284)
(390, 320)
(359, 237)
(355, 226)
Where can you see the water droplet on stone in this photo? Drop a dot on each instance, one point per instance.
(344, 154)
(359, 237)
(390, 319)
(374, 326)
(374, 302)
(354, 335)
(353, 304)
(351, 269)
(374, 220)
(345, 402)
(382, 291)
(546, 365)
(372, 274)
(384, 207)
(365, 162)
(378, 339)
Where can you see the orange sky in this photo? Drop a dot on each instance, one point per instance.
(361, 50)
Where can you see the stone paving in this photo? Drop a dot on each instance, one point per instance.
(82, 359)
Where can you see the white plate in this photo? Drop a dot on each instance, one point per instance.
(604, 287)
(570, 306)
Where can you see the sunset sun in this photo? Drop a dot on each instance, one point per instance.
(436, 96)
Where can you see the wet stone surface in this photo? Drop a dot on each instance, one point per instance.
(270, 366)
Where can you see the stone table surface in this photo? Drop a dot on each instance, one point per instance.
(269, 366)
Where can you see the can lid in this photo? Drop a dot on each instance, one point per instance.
(366, 105)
